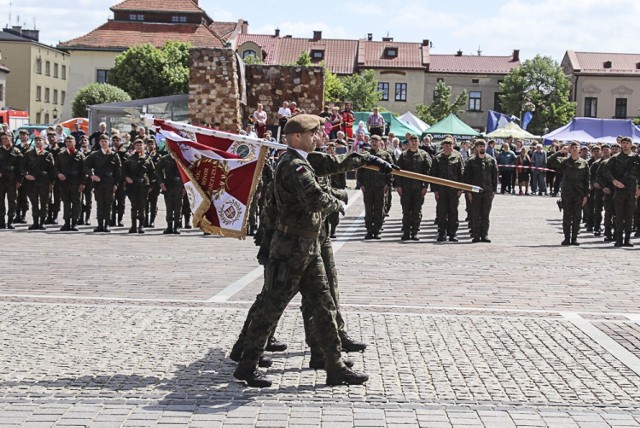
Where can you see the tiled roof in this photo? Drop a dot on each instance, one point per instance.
(371, 54)
(223, 29)
(472, 64)
(593, 63)
(184, 6)
(121, 35)
(339, 55)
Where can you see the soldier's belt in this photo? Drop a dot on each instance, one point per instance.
(290, 230)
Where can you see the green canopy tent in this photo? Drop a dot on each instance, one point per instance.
(452, 125)
(398, 127)
(512, 129)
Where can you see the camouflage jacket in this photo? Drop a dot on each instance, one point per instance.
(448, 167)
(575, 174)
(418, 161)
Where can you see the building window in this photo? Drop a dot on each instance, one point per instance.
(38, 65)
(401, 92)
(102, 76)
(497, 105)
(47, 68)
(63, 95)
(475, 101)
(248, 53)
(38, 118)
(475, 80)
(55, 70)
(176, 18)
(383, 88)
(55, 96)
(317, 54)
(46, 118)
(590, 107)
(38, 93)
(136, 17)
(46, 95)
(64, 72)
(621, 108)
(390, 52)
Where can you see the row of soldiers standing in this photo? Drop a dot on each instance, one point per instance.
(479, 170)
(609, 181)
(49, 175)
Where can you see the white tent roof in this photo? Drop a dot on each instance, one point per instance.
(412, 120)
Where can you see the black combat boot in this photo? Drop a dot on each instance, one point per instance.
(67, 226)
(169, 229)
(87, 218)
(252, 377)
(414, 236)
(141, 226)
(317, 361)
(349, 344)
(120, 216)
(405, 236)
(346, 376)
(41, 224)
(453, 238)
(187, 221)
(441, 237)
(105, 226)
(627, 240)
(134, 223)
(34, 226)
(54, 218)
(152, 220)
(100, 227)
(74, 227)
(567, 240)
(574, 239)
(10, 223)
(236, 354)
(176, 229)
(274, 345)
(618, 242)
(3, 225)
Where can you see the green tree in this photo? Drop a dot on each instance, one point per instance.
(362, 90)
(334, 90)
(96, 93)
(441, 107)
(252, 59)
(144, 71)
(539, 86)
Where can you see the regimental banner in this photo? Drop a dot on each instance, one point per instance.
(220, 178)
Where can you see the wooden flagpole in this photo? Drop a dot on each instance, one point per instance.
(435, 180)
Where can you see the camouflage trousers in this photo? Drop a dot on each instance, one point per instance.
(625, 206)
(571, 213)
(411, 201)
(373, 209)
(447, 212)
(295, 265)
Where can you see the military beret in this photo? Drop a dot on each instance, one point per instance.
(302, 123)
(615, 145)
(3, 133)
(23, 132)
(115, 137)
(138, 141)
(606, 145)
(625, 139)
(376, 137)
(104, 137)
(447, 141)
(481, 142)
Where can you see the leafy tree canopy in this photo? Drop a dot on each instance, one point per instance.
(441, 106)
(96, 93)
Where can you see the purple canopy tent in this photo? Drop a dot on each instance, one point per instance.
(592, 130)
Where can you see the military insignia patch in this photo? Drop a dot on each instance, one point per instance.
(230, 212)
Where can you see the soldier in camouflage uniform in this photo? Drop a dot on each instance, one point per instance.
(86, 197)
(481, 170)
(151, 208)
(596, 190)
(10, 179)
(623, 170)
(448, 165)
(295, 263)
(412, 191)
(118, 207)
(170, 182)
(374, 186)
(139, 173)
(72, 176)
(39, 176)
(575, 189)
(22, 201)
(105, 171)
(55, 196)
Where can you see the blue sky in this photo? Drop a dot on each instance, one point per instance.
(548, 27)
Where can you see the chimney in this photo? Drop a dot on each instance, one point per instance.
(459, 53)
(244, 27)
(425, 42)
(17, 30)
(369, 36)
(317, 35)
(387, 39)
(277, 34)
(516, 55)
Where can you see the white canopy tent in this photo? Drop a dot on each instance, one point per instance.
(413, 120)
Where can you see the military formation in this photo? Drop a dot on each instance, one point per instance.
(45, 176)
